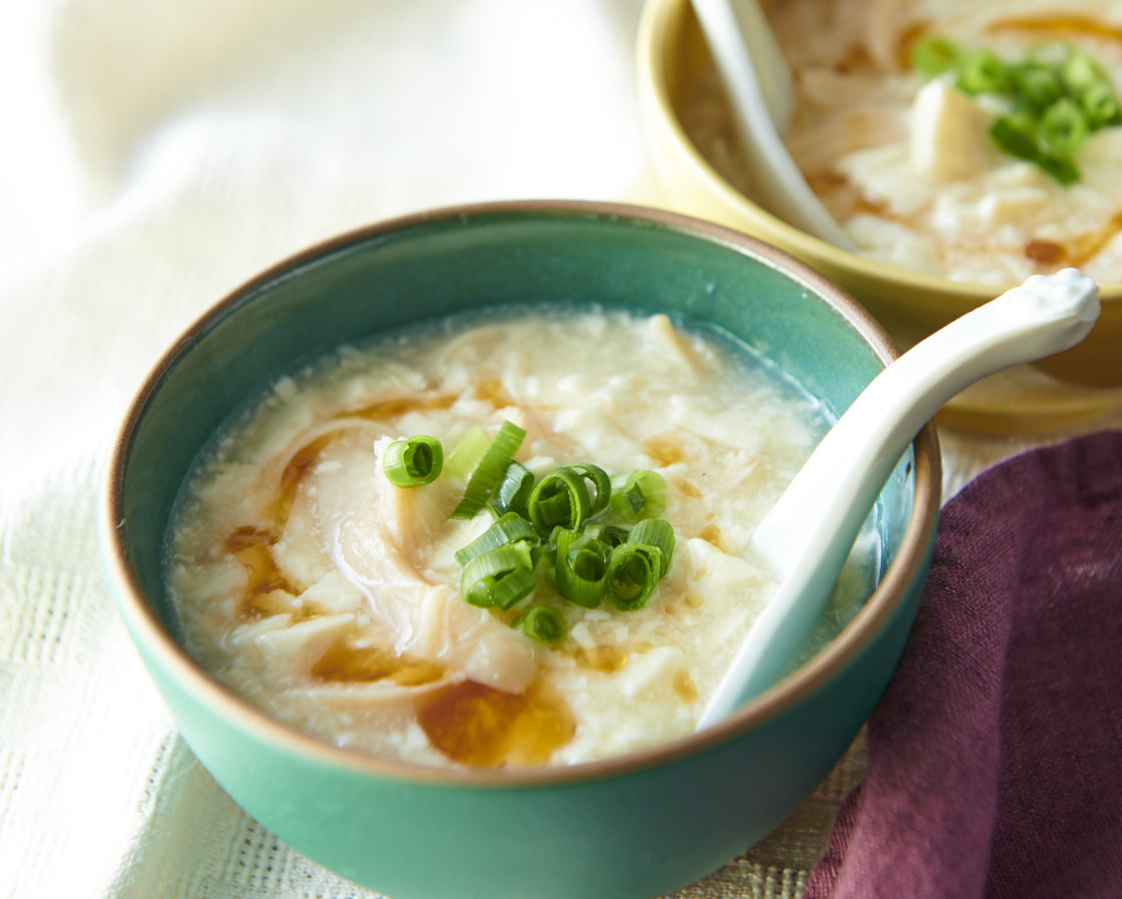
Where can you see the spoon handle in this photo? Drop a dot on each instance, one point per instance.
(740, 29)
(807, 535)
(755, 75)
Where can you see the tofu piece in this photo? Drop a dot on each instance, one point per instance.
(949, 134)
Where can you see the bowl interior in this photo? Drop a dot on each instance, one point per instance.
(383, 278)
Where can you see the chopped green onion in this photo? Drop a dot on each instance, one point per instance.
(1091, 89)
(655, 532)
(466, 454)
(560, 499)
(490, 470)
(633, 572)
(544, 624)
(611, 534)
(982, 73)
(549, 547)
(580, 567)
(1079, 72)
(1062, 171)
(510, 528)
(600, 481)
(1100, 105)
(513, 492)
(588, 557)
(640, 494)
(934, 55)
(1018, 138)
(501, 577)
(412, 462)
(1016, 135)
(1057, 96)
(1063, 127)
(505, 589)
(1035, 85)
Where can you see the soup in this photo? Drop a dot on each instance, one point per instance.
(913, 160)
(319, 589)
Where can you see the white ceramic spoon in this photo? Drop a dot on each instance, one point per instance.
(807, 536)
(756, 77)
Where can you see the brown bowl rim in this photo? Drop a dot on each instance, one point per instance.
(878, 609)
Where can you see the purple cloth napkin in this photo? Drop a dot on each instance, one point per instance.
(995, 755)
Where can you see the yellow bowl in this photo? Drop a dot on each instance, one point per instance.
(1071, 388)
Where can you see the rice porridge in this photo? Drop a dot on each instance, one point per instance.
(319, 590)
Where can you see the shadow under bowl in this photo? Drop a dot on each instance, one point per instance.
(638, 825)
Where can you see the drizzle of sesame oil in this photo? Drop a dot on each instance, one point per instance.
(711, 534)
(252, 548)
(1090, 244)
(300, 463)
(684, 687)
(1057, 25)
(492, 390)
(663, 451)
(395, 407)
(347, 661)
(479, 726)
(605, 659)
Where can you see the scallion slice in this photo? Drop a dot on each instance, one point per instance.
(466, 453)
(510, 528)
(633, 572)
(1035, 85)
(611, 534)
(544, 624)
(1079, 72)
(501, 577)
(1087, 84)
(580, 567)
(655, 532)
(513, 491)
(490, 470)
(412, 462)
(1100, 105)
(641, 494)
(1018, 137)
(982, 73)
(1063, 127)
(601, 483)
(560, 499)
(503, 590)
(933, 55)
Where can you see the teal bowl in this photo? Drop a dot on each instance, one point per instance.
(638, 825)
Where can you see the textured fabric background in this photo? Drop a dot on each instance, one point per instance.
(156, 155)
